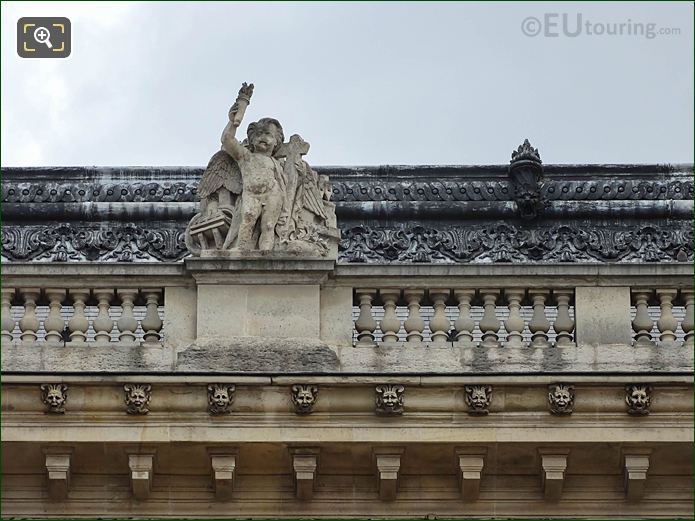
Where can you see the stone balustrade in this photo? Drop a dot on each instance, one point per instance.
(673, 311)
(98, 316)
(464, 317)
(345, 318)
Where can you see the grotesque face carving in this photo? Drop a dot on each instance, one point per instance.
(137, 398)
(220, 397)
(638, 398)
(561, 398)
(478, 399)
(54, 397)
(389, 399)
(304, 398)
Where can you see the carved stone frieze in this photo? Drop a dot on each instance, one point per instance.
(510, 243)
(389, 399)
(478, 399)
(137, 398)
(304, 398)
(367, 244)
(638, 398)
(54, 397)
(220, 398)
(72, 242)
(561, 399)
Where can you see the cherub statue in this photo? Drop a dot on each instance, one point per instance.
(260, 195)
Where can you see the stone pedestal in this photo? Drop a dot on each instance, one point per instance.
(603, 315)
(258, 296)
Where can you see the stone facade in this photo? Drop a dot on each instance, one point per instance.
(486, 341)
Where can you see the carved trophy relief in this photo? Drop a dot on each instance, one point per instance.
(137, 398)
(304, 398)
(260, 195)
(389, 399)
(561, 399)
(478, 398)
(638, 398)
(54, 397)
(220, 398)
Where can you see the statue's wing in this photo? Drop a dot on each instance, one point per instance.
(222, 171)
(313, 200)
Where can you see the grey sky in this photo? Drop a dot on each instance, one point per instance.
(364, 83)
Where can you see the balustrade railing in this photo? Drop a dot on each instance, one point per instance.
(391, 316)
(99, 316)
(484, 317)
(662, 316)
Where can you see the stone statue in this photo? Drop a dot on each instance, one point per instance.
(260, 195)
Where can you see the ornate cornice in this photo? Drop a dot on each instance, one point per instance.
(447, 214)
(570, 182)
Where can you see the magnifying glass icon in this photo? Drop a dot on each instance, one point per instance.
(43, 35)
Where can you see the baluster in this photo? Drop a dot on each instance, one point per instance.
(440, 324)
(390, 324)
(29, 324)
(687, 323)
(7, 323)
(103, 323)
(642, 325)
(54, 323)
(489, 324)
(127, 324)
(464, 324)
(564, 325)
(667, 323)
(152, 324)
(79, 324)
(365, 323)
(415, 324)
(514, 325)
(539, 325)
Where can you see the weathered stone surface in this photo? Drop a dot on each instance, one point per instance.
(255, 354)
(42, 358)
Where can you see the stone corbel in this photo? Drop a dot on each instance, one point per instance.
(304, 463)
(471, 462)
(58, 470)
(141, 464)
(554, 464)
(223, 462)
(388, 465)
(636, 464)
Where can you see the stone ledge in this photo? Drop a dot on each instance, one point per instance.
(287, 356)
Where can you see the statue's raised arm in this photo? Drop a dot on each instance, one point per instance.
(236, 114)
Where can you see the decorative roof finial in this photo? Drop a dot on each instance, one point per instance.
(526, 173)
(526, 152)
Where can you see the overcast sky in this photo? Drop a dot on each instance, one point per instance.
(364, 83)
